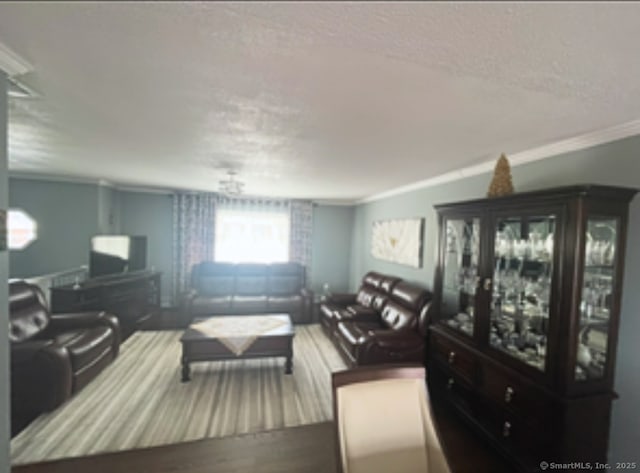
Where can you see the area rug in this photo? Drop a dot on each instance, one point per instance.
(139, 401)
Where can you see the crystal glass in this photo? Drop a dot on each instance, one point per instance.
(460, 278)
(595, 303)
(521, 293)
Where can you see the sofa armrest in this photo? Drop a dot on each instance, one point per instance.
(363, 314)
(307, 304)
(391, 346)
(343, 299)
(394, 338)
(62, 322)
(185, 305)
(68, 321)
(41, 375)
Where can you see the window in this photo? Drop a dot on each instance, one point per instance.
(249, 236)
(22, 229)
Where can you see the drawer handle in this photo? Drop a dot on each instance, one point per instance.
(487, 284)
(450, 383)
(452, 357)
(508, 394)
(506, 429)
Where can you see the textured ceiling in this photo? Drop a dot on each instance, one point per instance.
(316, 100)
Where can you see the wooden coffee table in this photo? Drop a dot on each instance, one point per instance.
(207, 340)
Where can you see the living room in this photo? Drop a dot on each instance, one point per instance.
(559, 123)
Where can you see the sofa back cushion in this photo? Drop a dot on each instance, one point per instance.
(225, 279)
(379, 301)
(213, 279)
(285, 279)
(397, 317)
(251, 279)
(410, 296)
(28, 312)
(372, 279)
(366, 296)
(388, 283)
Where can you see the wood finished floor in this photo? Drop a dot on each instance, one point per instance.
(309, 448)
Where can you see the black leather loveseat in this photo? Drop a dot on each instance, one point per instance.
(244, 289)
(53, 355)
(384, 322)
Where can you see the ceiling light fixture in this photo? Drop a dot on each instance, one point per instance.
(230, 186)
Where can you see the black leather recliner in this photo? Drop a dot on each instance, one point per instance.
(243, 289)
(384, 322)
(54, 355)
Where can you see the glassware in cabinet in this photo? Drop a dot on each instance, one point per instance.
(521, 288)
(596, 297)
(460, 276)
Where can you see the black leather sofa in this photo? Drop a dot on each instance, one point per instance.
(384, 322)
(53, 356)
(243, 289)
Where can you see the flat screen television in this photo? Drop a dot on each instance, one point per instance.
(117, 254)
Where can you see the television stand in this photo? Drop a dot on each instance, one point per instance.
(134, 298)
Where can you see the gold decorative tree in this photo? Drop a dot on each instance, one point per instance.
(501, 183)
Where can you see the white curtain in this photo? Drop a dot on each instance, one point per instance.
(300, 238)
(193, 235)
(194, 228)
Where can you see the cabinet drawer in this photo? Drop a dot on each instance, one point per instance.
(528, 443)
(516, 395)
(459, 359)
(452, 388)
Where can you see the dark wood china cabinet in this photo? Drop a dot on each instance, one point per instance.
(525, 320)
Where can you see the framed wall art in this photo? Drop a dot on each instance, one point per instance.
(398, 241)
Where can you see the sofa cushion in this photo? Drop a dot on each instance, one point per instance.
(281, 285)
(410, 296)
(361, 310)
(366, 296)
(378, 302)
(85, 345)
(351, 334)
(397, 317)
(285, 278)
(248, 304)
(387, 283)
(247, 285)
(202, 305)
(372, 279)
(285, 304)
(215, 285)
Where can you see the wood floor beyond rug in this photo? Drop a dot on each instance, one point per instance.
(139, 400)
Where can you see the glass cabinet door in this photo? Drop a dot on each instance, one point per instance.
(460, 273)
(595, 303)
(521, 287)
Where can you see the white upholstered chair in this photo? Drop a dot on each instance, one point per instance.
(384, 422)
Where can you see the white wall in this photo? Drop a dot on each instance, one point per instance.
(4, 275)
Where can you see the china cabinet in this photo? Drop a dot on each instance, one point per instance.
(526, 304)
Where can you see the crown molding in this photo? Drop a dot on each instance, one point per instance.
(334, 203)
(12, 63)
(55, 178)
(143, 190)
(577, 143)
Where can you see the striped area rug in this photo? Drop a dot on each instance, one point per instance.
(139, 401)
